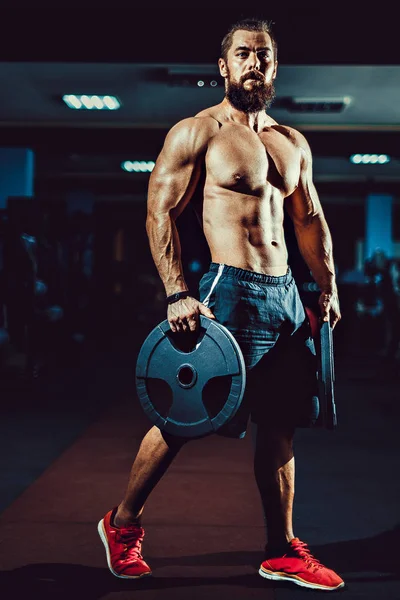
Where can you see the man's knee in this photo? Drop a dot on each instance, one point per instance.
(173, 442)
(273, 447)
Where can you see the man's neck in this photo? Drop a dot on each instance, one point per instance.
(255, 121)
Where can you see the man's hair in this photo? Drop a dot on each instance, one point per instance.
(248, 25)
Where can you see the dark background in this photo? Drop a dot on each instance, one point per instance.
(307, 33)
(322, 35)
(69, 357)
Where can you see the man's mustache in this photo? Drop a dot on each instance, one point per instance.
(253, 75)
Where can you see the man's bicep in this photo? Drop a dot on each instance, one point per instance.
(176, 172)
(304, 204)
(171, 186)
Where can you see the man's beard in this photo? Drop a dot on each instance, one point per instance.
(260, 97)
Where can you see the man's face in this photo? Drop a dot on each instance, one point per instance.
(249, 71)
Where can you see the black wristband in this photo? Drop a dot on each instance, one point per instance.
(178, 296)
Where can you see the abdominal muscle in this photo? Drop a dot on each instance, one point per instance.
(246, 230)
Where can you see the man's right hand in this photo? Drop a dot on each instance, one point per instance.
(184, 314)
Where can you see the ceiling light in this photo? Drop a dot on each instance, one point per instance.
(369, 159)
(91, 102)
(199, 80)
(304, 104)
(138, 166)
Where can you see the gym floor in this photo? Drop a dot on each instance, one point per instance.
(66, 449)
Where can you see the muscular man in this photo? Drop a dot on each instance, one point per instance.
(253, 167)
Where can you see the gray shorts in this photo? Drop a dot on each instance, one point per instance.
(267, 318)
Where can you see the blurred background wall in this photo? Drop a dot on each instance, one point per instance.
(84, 111)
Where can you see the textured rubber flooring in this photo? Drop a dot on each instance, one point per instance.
(204, 526)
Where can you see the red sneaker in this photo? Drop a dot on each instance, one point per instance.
(299, 566)
(123, 546)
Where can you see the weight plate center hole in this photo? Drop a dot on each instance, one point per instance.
(186, 376)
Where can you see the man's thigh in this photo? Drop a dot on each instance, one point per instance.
(282, 388)
(270, 325)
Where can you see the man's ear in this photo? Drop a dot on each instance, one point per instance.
(275, 69)
(223, 69)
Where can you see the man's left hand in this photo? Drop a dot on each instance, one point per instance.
(330, 309)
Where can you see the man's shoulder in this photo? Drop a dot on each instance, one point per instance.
(190, 136)
(199, 127)
(300, 142)
(203, 121)
(295, 136)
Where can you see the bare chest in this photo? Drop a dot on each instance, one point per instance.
(247, 162)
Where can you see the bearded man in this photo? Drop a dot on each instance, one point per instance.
(253, 167)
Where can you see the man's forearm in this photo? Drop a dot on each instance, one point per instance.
(315, 244)
(166, 251)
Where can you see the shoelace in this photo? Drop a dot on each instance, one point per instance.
(132, 543)
(303, 551)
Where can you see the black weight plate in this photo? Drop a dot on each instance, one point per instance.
(326, 377)
(216, 354)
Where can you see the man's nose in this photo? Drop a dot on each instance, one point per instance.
(254, 61)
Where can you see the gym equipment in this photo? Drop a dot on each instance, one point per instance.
(323, 340)
(326, 377)
(205, 382)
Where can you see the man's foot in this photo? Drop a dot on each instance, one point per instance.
(123, 546)
(299, 566)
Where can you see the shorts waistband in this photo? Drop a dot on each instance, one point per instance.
(245, 275)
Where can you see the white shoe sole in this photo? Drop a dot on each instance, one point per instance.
(103, 537)
(279, 576)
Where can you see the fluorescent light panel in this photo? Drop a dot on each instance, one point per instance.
(138, 166)
(87, 102)
(369, 159)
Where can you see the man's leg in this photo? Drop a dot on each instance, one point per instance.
(287, 558)
(274, 473)
(120, 529)
(156, 453)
